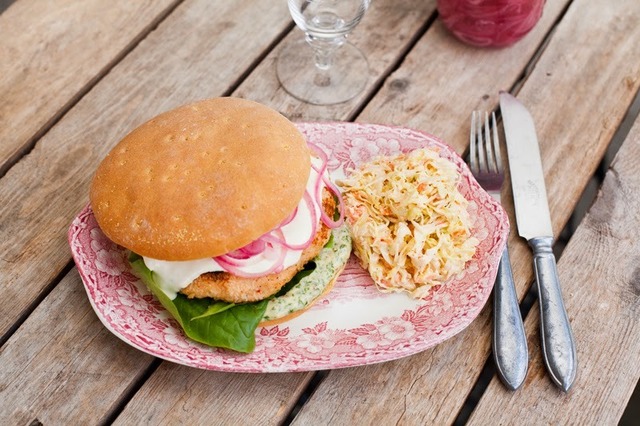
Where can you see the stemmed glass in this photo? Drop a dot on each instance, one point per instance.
(332, 70)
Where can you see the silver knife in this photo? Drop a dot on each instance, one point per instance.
(534, 224)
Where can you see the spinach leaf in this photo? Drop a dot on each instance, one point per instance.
(206, 320)
(215, 308)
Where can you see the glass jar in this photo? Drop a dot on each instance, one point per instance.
(495, 23)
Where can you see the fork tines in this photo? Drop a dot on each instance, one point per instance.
(484, 151)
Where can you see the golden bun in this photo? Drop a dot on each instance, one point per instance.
(201, 180)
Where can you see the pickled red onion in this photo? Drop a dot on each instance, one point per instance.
(321, 154)
(251, 249)
(235, 267)
(310, 207)
(336, 192)
(227, 259)
(326, 219)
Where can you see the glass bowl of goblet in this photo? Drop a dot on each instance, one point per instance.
(323, 68)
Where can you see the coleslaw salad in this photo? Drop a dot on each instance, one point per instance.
(409, 222)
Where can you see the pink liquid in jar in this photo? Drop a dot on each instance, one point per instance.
(495, 23)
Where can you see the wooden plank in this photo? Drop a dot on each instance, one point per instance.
(598, 84)
(193, 54)
(67, 46)
(600, 273)
(184, 395)
(51, 371)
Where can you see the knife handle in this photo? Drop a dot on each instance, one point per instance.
(558, 347)
(509, 341)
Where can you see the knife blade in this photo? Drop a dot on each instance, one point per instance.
(534, 224)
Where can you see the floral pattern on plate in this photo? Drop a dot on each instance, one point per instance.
(353, 325)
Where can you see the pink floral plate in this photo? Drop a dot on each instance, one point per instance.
(353, 325)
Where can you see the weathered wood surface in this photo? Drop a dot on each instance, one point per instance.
(64, 366)
(47, 188)
(600, 272)
(431, 387)
(54, 51)
(79, 373)
(184, 395)
(193, 54)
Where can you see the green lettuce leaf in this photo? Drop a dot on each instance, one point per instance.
(215, 308)
(208, 321)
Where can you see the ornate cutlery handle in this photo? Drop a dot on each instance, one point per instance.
(509, 341)
(557, 339)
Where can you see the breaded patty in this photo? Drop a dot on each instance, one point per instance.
(234, 289)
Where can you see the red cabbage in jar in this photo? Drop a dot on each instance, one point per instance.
(495, 23)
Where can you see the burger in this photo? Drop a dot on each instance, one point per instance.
(229, 215)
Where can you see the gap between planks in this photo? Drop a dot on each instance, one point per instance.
(34, 304)
(243, 76)
(394, 66)
(30, 144)
(131, 391)
(4, 4)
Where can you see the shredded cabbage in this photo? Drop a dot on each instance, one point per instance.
(409, 222)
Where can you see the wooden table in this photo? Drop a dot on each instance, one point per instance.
(75, 77)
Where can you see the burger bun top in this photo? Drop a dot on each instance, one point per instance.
(201, 180)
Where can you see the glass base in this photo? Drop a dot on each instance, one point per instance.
(344, 80)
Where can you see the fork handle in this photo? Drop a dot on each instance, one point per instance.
(509, 341)
(558, 346)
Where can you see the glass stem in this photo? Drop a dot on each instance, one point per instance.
(324, 50)
(323, 58)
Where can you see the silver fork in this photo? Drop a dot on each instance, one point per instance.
(509, 341)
